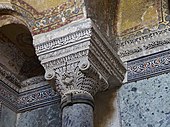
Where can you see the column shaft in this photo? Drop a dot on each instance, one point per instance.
(77, 115)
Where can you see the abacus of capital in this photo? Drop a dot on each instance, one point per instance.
(79, 62)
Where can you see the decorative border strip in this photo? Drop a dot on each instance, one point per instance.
(28, 100)
(58, 42)
(37, 98)
(8, 95)
(143, 37)
(148, 66)
(145, 44)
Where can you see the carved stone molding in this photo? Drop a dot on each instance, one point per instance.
(35, 97)
(9, 78)
(78, 57)
(145, 44)
(8, 96)
(32, 81)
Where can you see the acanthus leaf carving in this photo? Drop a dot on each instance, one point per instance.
(77, 76)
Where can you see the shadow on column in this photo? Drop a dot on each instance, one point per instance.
(105, 114)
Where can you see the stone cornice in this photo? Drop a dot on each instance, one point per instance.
(32, 81)
(10, 79)
(15, 83)
(37, 97)
(145, 44)
(61, 32)
(62, 41)
(8, 96)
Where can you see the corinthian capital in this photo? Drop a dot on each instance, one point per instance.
(77, 58)
(79, 76)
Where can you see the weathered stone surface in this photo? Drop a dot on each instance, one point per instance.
(78, 115)
(146, 103)
(43, 117)
(103, 18)
(106, 112)
(8, 117)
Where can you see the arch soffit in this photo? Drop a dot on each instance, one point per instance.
(8, 16)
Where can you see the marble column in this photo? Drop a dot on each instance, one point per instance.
(77, 89)
(79, 62)
(77, 110)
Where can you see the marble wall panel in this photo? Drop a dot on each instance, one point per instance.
(49, 116)
(8, 117)
(146, 103)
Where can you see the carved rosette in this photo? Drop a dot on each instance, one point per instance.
(78, 60)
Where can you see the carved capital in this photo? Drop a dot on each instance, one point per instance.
(79, 58)
(80, 76)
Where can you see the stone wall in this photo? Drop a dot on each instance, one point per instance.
(32, 107)
(146, 103)
(8, 117)
(49, 116)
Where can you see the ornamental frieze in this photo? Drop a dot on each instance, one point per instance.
(8, 95)
(144, 45)
(37, 97)
(148, 66)
(27, 99)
